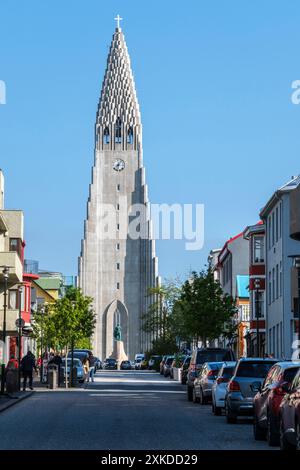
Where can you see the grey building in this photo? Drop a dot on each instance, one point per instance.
(281, 305)
(118, 265)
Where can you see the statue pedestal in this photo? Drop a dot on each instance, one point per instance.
(118, 352)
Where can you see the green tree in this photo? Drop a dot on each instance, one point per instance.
(203, 311)
(158, 319)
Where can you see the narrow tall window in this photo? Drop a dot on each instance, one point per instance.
(106, 136)
(277, 281)
(118, 246)
(270, 288)
(118, 285)
(118, 187)
(118, 131)
(277, 224)
(273, 284)
(130, 135)
(118, 266)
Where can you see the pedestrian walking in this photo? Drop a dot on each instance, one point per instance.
(86, 368)
(27, 366)
(12, 363)
(57, 360)
(92, 361)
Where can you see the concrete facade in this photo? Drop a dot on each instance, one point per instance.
(116, 269)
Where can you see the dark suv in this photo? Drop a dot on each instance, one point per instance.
(199, 357)
(267, 401)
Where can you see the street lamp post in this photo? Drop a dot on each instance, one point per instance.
(6, 276)
(257, 312)
(42, 344)
(20, 289)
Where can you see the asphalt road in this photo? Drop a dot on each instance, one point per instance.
(121, 410)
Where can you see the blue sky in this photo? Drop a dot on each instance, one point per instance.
(214, 85)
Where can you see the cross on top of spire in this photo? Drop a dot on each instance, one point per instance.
(118, 19)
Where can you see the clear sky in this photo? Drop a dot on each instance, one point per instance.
(214, 85)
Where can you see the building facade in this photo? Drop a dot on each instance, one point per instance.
(281, 277)
(233, 274)
(257, 289)
(117, 266)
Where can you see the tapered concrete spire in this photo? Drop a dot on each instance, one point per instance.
(118, 109)
(117, 271)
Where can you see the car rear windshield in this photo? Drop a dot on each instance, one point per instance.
(227, 372)
(290, 374)
(254, 369)
(210, 356)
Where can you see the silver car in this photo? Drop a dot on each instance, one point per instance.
(247, 378)
(204, 381)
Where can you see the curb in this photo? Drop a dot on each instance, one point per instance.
(14, 401)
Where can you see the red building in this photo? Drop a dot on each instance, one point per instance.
(257, 287)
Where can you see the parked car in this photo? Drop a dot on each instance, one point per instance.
(98, 364)
(161, 365)
(218, 391)
(199, 357)
(154, 362)
(289, 424)
(177, 363)
(144, 364)
(132, 364)
(167, 365)
(110, 364)
(78, 364)
(125, 365)
(268, 399)
(184, 369)
(137, 364)
(248, 376)
(204, 381)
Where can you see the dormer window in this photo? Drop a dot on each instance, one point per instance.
(118, 131)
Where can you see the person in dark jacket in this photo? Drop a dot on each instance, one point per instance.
(27, 366)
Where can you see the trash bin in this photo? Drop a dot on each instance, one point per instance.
(53, 376)
(12, 380)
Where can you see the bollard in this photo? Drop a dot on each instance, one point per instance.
(53, 376)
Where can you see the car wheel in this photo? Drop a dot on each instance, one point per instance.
(284, 444)
(195, 398)
(259, 433)
(272, 432)
(203, 399)
(231, 418)
(189, 393)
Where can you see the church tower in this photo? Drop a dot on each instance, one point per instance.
(116, 269)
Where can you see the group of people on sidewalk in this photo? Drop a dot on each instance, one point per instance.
(29, 364)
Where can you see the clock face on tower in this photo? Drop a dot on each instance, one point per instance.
(119, 165)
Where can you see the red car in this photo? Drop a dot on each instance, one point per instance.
(268, 399)
(290, 417)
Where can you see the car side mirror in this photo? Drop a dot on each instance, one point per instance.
(256, 387)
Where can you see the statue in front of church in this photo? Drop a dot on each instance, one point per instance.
(118, 332)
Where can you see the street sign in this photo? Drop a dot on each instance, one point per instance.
(20, 323)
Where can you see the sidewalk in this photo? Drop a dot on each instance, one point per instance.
(8, 401)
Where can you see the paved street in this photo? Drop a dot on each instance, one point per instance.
(121, 410)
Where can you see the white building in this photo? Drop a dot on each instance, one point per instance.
(280, 250)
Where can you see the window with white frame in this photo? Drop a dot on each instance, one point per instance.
(258, 249)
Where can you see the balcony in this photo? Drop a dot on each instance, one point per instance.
(11, 259)
(11, 317)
